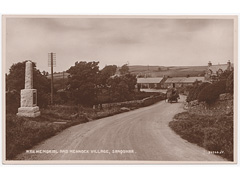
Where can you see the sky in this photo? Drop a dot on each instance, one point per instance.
(136, 41)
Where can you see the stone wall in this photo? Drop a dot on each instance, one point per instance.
(223, 106)
(136, 103)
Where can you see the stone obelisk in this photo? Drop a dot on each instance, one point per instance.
(29, 106)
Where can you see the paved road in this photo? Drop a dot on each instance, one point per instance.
(142, 134)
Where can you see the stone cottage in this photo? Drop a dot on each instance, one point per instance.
(214, 71)
(182, 81)
(151, 83)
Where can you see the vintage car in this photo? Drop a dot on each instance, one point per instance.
(172, 95)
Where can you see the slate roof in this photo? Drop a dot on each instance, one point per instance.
(215, 68)
(193, 79)
(149, 80)
(184, 79)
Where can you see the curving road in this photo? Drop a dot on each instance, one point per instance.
(142, 134)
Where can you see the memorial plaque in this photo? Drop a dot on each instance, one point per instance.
(34, 98)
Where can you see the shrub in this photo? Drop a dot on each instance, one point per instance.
(195, 90)
(12, 101)
(210, 93)
(43, 99)
(230, 83)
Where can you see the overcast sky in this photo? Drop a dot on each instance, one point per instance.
(163, 42)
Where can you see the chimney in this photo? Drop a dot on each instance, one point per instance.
(209, 64)
(229, 63)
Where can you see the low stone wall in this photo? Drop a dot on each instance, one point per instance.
(136, 103)
(223, 106)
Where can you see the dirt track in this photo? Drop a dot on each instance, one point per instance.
(144, 133)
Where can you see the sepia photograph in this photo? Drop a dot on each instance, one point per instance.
(119, 89)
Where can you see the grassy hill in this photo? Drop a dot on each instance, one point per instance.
(59, 76)
(172, 71)
(153, 71)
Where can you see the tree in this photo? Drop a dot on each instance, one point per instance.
(106, 73)
(109, 70)
(15, 81)
(82, 82)
(124, 69)
(131, 81)
(225, 75)
(230, 83)
(118, 90)
(16, 78)
(122, 87)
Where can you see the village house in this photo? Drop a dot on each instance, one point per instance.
(182, 81)
(214, 71)
(151, 83)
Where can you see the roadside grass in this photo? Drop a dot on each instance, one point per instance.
(23, 133)
(215, 134)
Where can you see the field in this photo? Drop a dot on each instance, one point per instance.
(59, 75)
(172, 71)
(154, 71)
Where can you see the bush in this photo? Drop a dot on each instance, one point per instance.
(195, 90)
(43, 99)
(210, 93)
(230, 83)
(12, 102)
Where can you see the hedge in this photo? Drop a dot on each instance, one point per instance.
(210, 93)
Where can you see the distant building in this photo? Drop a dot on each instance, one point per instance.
(214, 71)
(151, 83)
(182, 81)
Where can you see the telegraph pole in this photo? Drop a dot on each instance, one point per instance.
(51, 63)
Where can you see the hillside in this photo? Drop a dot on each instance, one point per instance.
(172, 71)
(59, 75)
(154, 71)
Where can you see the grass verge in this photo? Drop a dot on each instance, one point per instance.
(23, 133)
(215, 134)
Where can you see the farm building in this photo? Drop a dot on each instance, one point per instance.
(214, 71)
(182, 81)
(150, 83)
